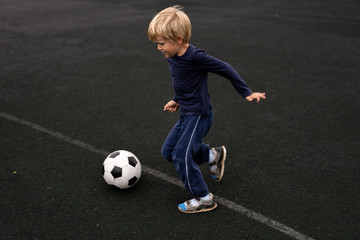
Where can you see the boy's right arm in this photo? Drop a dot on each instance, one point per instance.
(171, 106)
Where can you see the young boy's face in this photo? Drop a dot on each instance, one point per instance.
(169, 49)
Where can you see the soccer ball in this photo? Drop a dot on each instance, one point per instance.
(122, 169)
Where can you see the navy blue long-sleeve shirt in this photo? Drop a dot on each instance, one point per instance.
(189, 74)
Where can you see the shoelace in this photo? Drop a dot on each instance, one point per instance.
(194, 202)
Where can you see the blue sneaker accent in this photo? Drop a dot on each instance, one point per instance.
(182, 206)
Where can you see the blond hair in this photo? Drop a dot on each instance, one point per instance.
(170, 24)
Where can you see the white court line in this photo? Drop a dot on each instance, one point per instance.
(229, 204)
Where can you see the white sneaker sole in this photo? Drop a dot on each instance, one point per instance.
(223, 165)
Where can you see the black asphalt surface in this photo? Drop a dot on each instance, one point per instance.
(86, 69)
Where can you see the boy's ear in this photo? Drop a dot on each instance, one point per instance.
(180, 40)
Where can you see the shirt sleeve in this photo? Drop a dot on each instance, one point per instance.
(210, 64)
(175, 99)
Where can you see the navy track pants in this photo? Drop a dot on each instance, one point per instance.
(184, 147)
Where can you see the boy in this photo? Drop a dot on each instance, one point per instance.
(171, 30)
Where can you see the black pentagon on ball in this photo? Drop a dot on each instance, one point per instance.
(132, 161)
(132, 181)
(116, 172)
(114, 154)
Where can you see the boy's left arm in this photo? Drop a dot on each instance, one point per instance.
(208, 63)
(256, 96)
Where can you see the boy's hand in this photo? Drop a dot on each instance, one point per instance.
(257, 96)
(171, 106)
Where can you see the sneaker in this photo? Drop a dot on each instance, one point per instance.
(197, 205)
(217, 165)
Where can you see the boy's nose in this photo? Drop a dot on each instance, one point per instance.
(159, 47)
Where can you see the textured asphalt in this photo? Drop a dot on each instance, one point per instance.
(86, 69)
